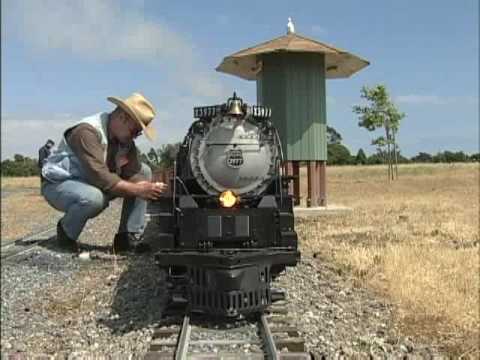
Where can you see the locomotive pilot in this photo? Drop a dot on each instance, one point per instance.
(97, 161)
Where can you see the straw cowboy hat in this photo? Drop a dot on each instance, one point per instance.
(139, 109)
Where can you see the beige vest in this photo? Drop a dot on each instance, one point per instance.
(63, 164)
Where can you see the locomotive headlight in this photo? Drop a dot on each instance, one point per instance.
(228, 199)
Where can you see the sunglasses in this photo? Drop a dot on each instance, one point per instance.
(134, 130)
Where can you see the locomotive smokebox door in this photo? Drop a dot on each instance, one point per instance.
(234, 150)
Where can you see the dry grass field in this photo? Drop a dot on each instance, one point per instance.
(415, 241)
(23, 208)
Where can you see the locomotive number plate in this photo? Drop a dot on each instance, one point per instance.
(235, 158)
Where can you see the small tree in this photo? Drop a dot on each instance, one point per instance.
(380, 112)
(394, 117)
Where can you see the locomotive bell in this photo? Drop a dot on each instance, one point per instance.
(234, 105)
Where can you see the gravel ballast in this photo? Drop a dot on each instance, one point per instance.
(57, 304)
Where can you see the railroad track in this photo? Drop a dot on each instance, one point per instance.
(26, 244)
(266, 336)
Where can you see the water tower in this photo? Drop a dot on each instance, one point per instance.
(290, 72)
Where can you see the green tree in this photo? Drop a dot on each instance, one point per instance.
(381, 113)
(439, 157)
(458, 156)
(450, 157)
(376, 159)
(153, 158)
(401, 159)
(475, 157)
(338, 154)
(361, 158)
(333, 136)
(167, 155)
(18, 158)
(19, 166)
(422, 157)
(161, 158)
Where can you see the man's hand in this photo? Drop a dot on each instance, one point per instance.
(150, 190)
(162, 185)
(144, 189)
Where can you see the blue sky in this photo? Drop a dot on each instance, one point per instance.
(61, 59)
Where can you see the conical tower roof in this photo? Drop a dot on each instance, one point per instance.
(246, 63)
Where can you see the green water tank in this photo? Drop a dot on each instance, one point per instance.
(293, 85)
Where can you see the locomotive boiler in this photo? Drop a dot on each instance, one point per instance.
(229, 220)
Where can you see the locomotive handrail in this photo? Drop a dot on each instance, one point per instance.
(279, 166)
(183, 184)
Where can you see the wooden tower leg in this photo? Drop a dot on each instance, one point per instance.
(288, 169)
(312, 181)
(323, 182)
(317, 189)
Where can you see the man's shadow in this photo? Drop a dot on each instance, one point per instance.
(140, 297)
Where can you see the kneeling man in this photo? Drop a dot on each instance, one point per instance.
(97, 161)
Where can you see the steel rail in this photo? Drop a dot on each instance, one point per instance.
(183, 339)
(270, 347)
(271, 337)
(26, 248)
(28, 237)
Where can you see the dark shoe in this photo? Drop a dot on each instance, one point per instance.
(121, 243)
(129, 241)
(64, 242)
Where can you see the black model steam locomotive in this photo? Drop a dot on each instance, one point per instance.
(230, 218)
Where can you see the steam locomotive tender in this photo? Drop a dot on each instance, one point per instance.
(229, 218)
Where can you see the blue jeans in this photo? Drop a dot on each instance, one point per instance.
(81, 201)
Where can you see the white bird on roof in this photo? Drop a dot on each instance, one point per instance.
(290, 27)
